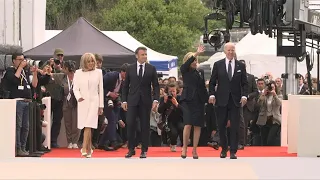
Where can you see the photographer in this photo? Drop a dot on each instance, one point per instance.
(69, 107)
(19, 84)
(269, 118)
(56, 92)
(171, 112)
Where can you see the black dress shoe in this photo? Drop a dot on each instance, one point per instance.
(143, 155)
(116, 145)
(240, 147)
(44, 149)
(130, 154)
(233, 156)
(215, 146)
(106, 148)
(223, 154)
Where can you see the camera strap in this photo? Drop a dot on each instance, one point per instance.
(23, 76)
(169, 111)
(70, 86)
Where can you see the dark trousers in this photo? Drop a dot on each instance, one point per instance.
(245, 117)
(176, 130)
(143, 112)
(111, 130)
(123, 131)
(155, 139)
(270, 134)
(96, 132)
(233, 112)
(56, 110)
(22, 124)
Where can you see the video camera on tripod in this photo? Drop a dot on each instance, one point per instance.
(6, 52)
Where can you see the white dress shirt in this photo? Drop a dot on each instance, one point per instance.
(143, 70)
(117, 87)
(232, 65)
(301, 86)
(232, 71)
(138, 68)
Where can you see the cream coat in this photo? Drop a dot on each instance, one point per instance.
(89, 86)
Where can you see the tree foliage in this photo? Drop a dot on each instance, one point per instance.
(167, 26)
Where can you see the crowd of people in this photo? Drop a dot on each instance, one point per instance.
(133, 108)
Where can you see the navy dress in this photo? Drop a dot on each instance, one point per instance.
(194, 94)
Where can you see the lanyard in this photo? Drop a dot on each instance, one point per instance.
(69, 85)
(23, 76)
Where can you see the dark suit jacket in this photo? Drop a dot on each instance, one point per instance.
(110, 81)
(193, 82)
(252, 92)
(134, 87)
(304, 90)
(237, 86)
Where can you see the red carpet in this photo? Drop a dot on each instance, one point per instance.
(165, 152)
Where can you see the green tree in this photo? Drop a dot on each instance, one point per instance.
(62, 13)
(170, 27)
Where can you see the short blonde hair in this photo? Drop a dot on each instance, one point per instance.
(188, 56)
(84, 61)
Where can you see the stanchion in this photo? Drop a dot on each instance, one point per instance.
(38, 128)
(34, 117)
(31, 130)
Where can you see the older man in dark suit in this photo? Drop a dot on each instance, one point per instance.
(247, 113)
(138, 99)
(112, 82)
(229, 97)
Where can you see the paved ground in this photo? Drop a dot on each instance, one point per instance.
(160, 168)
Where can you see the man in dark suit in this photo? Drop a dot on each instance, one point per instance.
(230, 96)
(248, 110)
(112, 82)
(138, 99)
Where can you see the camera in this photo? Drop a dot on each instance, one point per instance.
(110, 103)
(56, 61)
(170, 96)
(42, 106)
(31, 62)
(268, 82)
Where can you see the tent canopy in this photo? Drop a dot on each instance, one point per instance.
(161, 61)
(82, 37)
(260, 53)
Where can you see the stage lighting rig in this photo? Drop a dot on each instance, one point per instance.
(216, 38)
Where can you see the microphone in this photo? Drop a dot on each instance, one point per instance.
(6, 52)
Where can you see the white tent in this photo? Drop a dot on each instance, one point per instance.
(165, 64)
(260, 53)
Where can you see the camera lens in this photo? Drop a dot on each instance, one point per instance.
(57, 61)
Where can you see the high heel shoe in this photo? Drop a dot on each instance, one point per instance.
(195, 154)
(83, 153)
(90, 154)
(184, 155)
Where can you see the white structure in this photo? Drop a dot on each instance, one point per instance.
(165, 64)
(260, 53)
(302, 125)
(9, 22)
(8, 128)
(33, 19)
(33, 23)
